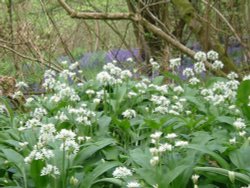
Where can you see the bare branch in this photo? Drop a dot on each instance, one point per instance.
(96, 15)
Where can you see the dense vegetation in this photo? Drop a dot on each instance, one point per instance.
(132, 93)
(120, 131)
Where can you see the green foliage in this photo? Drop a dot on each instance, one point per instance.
(91, 134)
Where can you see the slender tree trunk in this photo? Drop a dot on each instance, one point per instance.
(189, 15)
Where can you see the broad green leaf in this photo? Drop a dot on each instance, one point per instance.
(243, 94)
(110, 180)
(238, 176)
(35, 172)
(204, 149)
(174, 173)
(240, 158)
(14, 157)
(89, 180)
(87, 152)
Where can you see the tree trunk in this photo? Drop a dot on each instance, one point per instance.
(189, 15)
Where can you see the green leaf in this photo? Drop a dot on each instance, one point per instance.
(173, 174)
(35, 171)
(216, 156)
(141, 158)
(242, 97)
(240, 158)
(14, 157)
(110, 180)
(87, 152)
(103, 123)
(225, 119)
(238, 176)
(89, 180)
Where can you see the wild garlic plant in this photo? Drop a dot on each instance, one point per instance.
(119, 130)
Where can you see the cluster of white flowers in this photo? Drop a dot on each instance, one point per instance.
(240, 126)
(159, 148)
(174, 105)
(73, 66)
(142, 87)
(200, 56)
(69, 143)
(39, 152)
(49, 79)
(221, 92)
(129, 114)
(175, 63)
(22, 85)
(67, 74)
(112, 75)
(133, 184)
(61, 116)
(232, 76)
(194, 81)
(212, 55)
(50, 170)
(122, 172)
(217, 65)
(199, 67)
(82, 114)
(188, 72)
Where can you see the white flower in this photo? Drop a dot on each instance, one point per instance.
(130, 59)
(175, 63)
(129, 113)
(133, 184)
(178, 89)
(242, 133)
(154, 161)
(154, 151)
(154, 64)
(74, 66)
(199, 67)
(132, 94)
(17, 94)
(247, 77)
(232, 141)
(23, 144)
(181, 143)
(73, 181)
(22, 85)
(96, 101)
(239, 123)
(232, 75)
(50, 170)
(70, 146)
(90, 92)
(217, 65)
(65, 134)
(105, 78)
(156, 135)
(195, 178)
(126, 74)
(171, 136)
(212, 55)
(200, 56)
(188, 72)
(122, 172)
(165, 147)
(194, 81)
